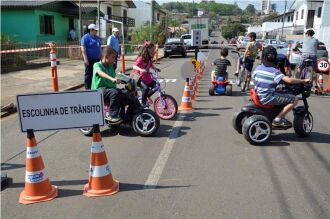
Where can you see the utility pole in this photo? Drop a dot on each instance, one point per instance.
(98, 15)
(151, 19)
(283, 19)
(80, 20)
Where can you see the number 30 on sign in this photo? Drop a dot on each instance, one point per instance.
(323, 65)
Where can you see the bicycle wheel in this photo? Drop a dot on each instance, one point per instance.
(244, 83)
(241, 77)
(166, 107)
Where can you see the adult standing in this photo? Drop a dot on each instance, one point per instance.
(91, 51)
(113, 42)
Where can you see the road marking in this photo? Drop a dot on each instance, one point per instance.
(159, 166)
(167, 80)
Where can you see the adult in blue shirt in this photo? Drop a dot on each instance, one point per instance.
(91, 51)
(113, 42)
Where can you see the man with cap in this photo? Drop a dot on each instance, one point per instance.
(266, 78)
(113, 42)
(91, 51)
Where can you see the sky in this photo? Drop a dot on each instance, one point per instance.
(243, 3)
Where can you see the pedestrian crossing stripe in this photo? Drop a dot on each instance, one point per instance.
(167, 80)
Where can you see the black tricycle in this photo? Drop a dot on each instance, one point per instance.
(143, 121)
(254, 120)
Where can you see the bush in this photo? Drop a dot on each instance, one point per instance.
(10, 59)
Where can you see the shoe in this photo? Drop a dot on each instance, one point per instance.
(236, 74)
(112, 119)
(281, 122)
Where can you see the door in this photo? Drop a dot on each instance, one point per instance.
(310, 19)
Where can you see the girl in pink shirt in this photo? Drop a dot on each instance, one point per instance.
(141, 68)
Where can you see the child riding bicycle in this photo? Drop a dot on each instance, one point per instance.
(142, 66)
(250, 54)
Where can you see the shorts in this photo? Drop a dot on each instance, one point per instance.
(282, 99)
(248, 63)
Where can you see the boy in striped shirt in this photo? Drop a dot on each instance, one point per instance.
(266, 78)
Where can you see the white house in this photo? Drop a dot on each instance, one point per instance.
(142, 13)
(304, 14)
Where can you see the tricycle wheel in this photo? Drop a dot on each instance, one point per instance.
(229, 90)
(303, 124)
(211, 90)
(257, 129)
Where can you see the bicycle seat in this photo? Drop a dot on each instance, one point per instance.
(256, 101)
(308, 60)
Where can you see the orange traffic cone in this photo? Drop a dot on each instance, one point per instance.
(192, 91)
(100, 181)
(328, 87)
(37, 186)
(320, 82)
(186, 99)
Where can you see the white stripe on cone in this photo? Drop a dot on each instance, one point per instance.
(186, 88)
(186, 99)
(35, 177)
(32, 152)
(99, 171)
(97, 147)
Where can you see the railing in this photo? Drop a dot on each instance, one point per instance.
(129, 22)
(64, 50)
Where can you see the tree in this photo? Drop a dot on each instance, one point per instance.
(232, 30)
(250, 10)
(141, 34)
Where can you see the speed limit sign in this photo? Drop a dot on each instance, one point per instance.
(323, 65)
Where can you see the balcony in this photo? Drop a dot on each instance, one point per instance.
(127, 21)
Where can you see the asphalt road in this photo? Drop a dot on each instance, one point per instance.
(204, 169)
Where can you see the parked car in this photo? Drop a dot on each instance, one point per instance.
(175, 46)
(295, 55)
(242, 42)
(275, 43)
(187, 40)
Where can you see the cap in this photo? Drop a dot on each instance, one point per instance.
(269, 56)
(92, 27)
(115, 29)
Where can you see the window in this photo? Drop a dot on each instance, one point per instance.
(297, 15)
(292, 17)
(302, 14)
(47, 24)
(109, 12)
(319, 12)
(288, 20)
(158, 16)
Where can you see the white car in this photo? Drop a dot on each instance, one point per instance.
(187, 40)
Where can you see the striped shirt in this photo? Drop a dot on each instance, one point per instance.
(266, 79)
(221, 66)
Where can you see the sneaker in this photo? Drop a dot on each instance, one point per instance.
(236, 74)
(281, 122)
(112, 119)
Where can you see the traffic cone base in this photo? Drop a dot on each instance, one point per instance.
(27, 199)
(100, 181)
(102, 192)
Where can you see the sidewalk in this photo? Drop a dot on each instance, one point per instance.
(70, 76)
